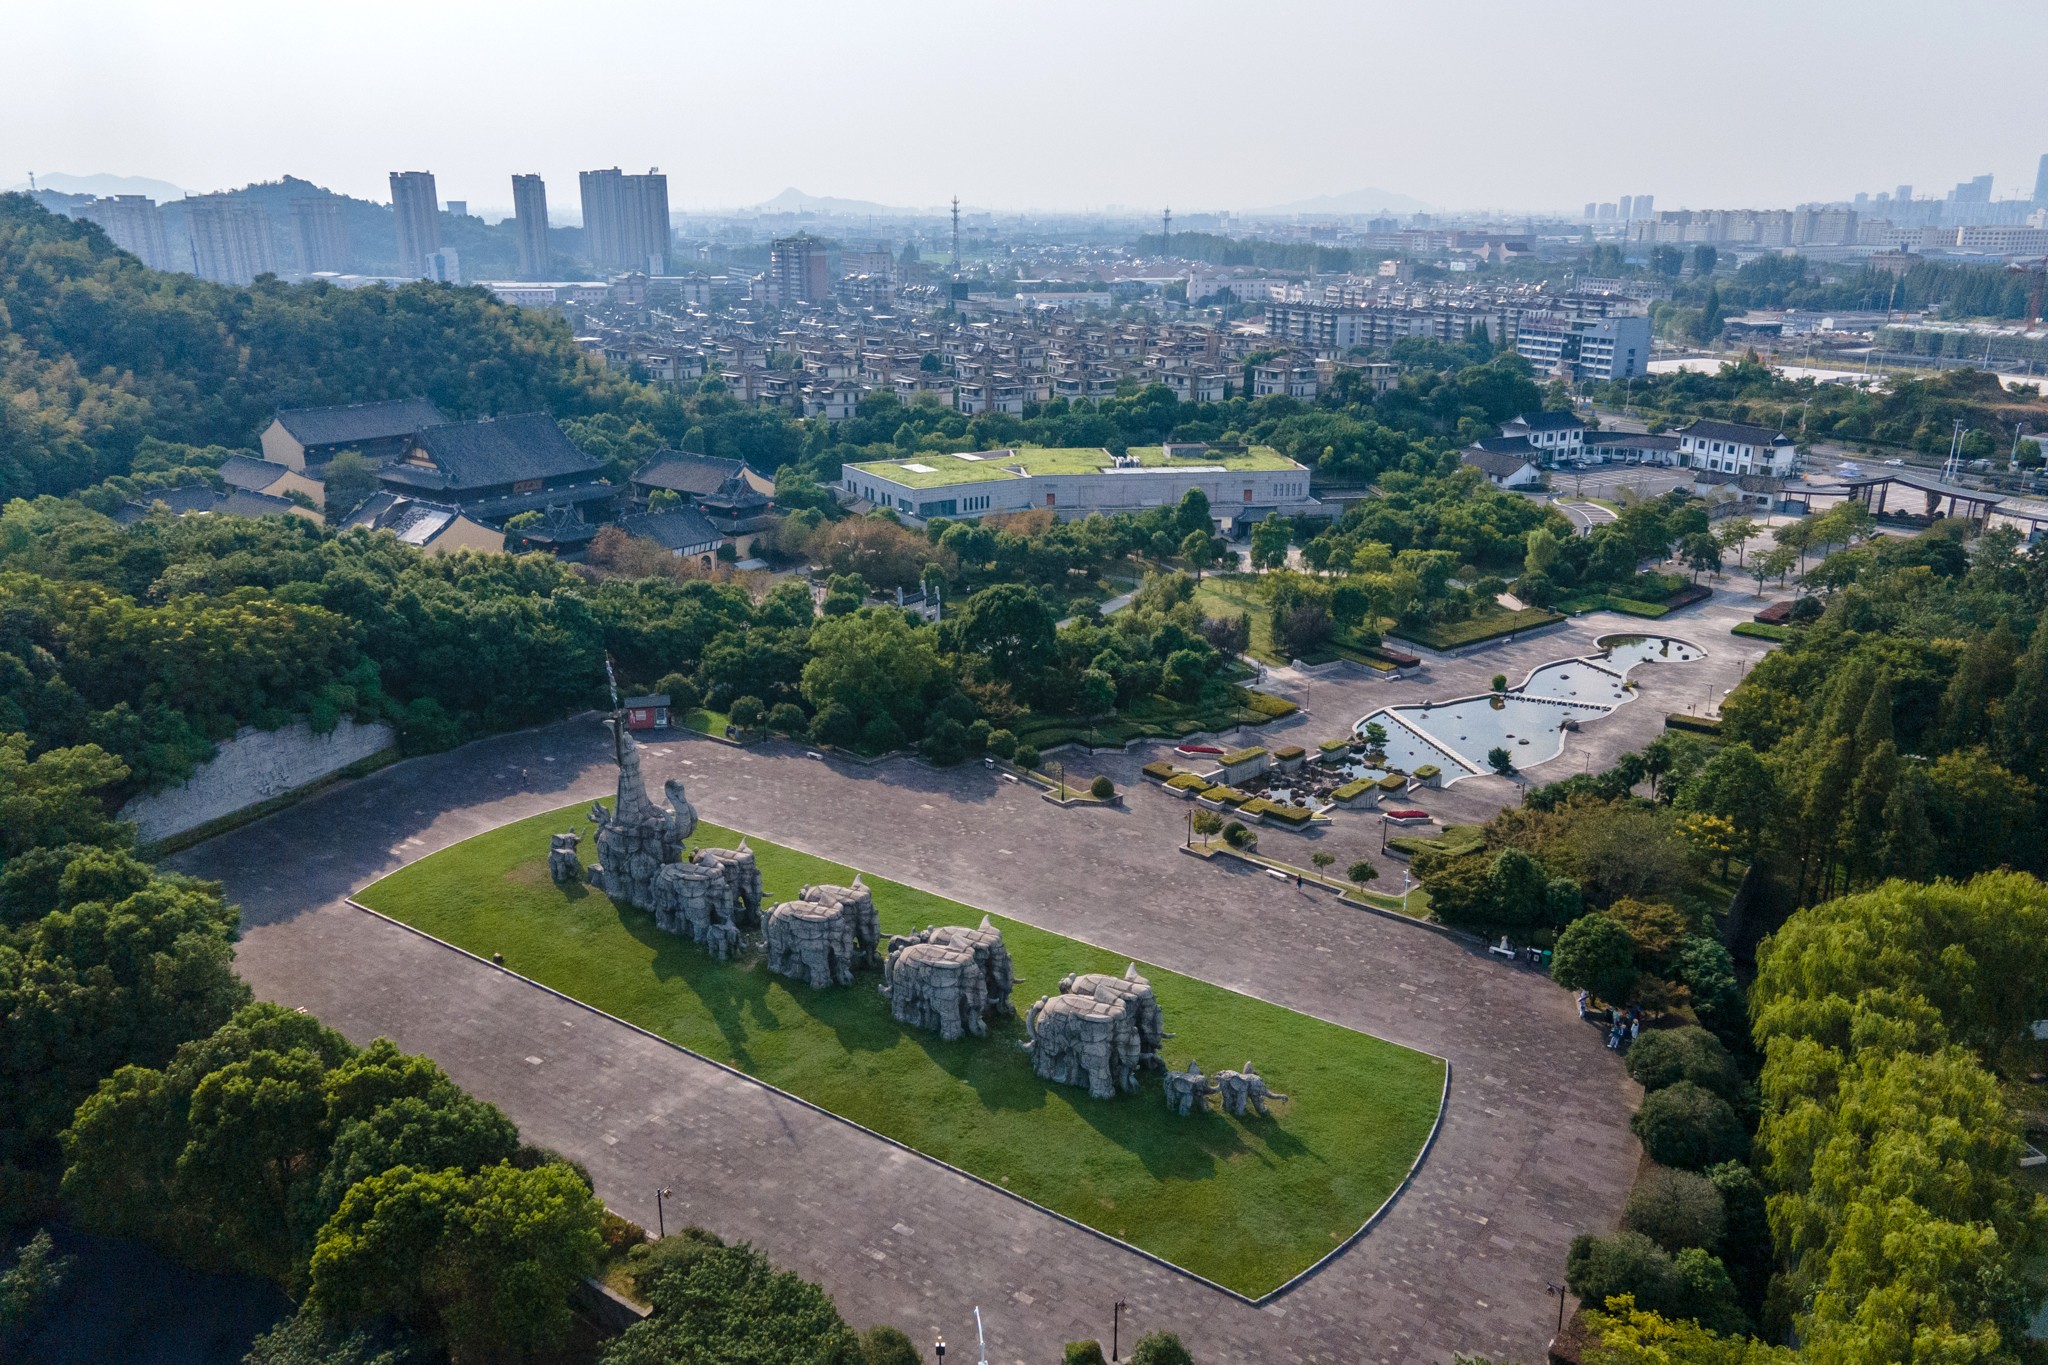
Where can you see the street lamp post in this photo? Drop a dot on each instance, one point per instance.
(1116, 1314)
(939, 1350)
(1558, 1290)
(661, 1218)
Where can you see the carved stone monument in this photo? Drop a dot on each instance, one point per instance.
(1144, 1007)
(564, 864)
(636, 839)
(714, 898)
(812, 941)
(1243, 1090)
(949, 978)
(857, 903)
(1099, 1031)
(1188, 1092)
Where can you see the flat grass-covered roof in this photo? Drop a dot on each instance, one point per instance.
(981, 466)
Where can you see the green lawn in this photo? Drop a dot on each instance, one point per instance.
(1239, 595)
(704, 722)
(1247, 1204)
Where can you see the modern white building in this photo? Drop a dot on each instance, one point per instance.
(1555, 436)
(1733, 448)
(1592, 349)
(1241, 483)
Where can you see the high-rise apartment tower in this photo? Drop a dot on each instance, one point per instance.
(625, 220)
(418, 210)
(136, 225)
(232, 242)
(320, 229)
(530, 219)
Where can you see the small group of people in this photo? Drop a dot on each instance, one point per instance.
(1625, 1026)
(1622, 1025)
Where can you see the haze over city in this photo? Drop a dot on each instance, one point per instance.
(1042, 684)
(1050, 106)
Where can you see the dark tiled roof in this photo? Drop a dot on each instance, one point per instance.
(681, 528)
(686, 473)
(374, 507)
(1733, 431)
(503, 450)
(538, 500)
(197, 497)
(1505, 445)
(1549, 421)
(256, 475)
(1496, 464)
(359, 421)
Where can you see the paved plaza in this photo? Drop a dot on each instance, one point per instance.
(1534, 1146)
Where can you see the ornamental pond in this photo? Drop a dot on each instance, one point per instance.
(1529, 721)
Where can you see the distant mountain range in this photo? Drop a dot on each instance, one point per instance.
(793, 200)
(102, 185)
(1367, 200)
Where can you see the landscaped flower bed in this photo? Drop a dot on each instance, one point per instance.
(1352, 791)
(1224, 797)
(1408, 817)
(1187, 783)
(1159, 770)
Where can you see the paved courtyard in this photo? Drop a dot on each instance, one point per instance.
(1534, 1146)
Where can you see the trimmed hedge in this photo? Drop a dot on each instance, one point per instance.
(1226, 796)
(1289, 752)
(1266, 704)
(1762, 630)
(1237, 756)
(1351, 791)
(1457, 634)
(1392, 782)
(1703, 725)
(1182, 782)
(1296, 816)
(1160, 770)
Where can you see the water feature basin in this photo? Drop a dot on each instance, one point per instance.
(1529, 721)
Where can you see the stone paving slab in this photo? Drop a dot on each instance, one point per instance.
(1534, 1145)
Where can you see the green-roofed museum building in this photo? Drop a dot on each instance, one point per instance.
(1242, 483)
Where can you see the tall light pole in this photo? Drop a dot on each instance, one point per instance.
(1116, 1318)
(1558, 1290)
(660, 1218)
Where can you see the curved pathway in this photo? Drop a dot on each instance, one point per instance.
(1534, 1146)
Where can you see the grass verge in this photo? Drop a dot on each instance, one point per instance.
(1247, 1204)
(1457, 634)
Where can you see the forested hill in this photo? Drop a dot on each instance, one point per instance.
(97, 352)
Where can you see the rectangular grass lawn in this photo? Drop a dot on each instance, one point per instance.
(1246, 1203)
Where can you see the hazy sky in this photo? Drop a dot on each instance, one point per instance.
(1050, 104)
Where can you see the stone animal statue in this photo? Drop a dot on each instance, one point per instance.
(1188, 1092)
(714, 898)
(563, 863)
(636, 838)
(1085, 1039)
(1135, 989)
(1246, 1089)
(938, 986)
(857, 902)
(811, 941)
(949, 979)
(999, 977)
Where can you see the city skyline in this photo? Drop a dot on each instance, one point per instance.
(1106, 131)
